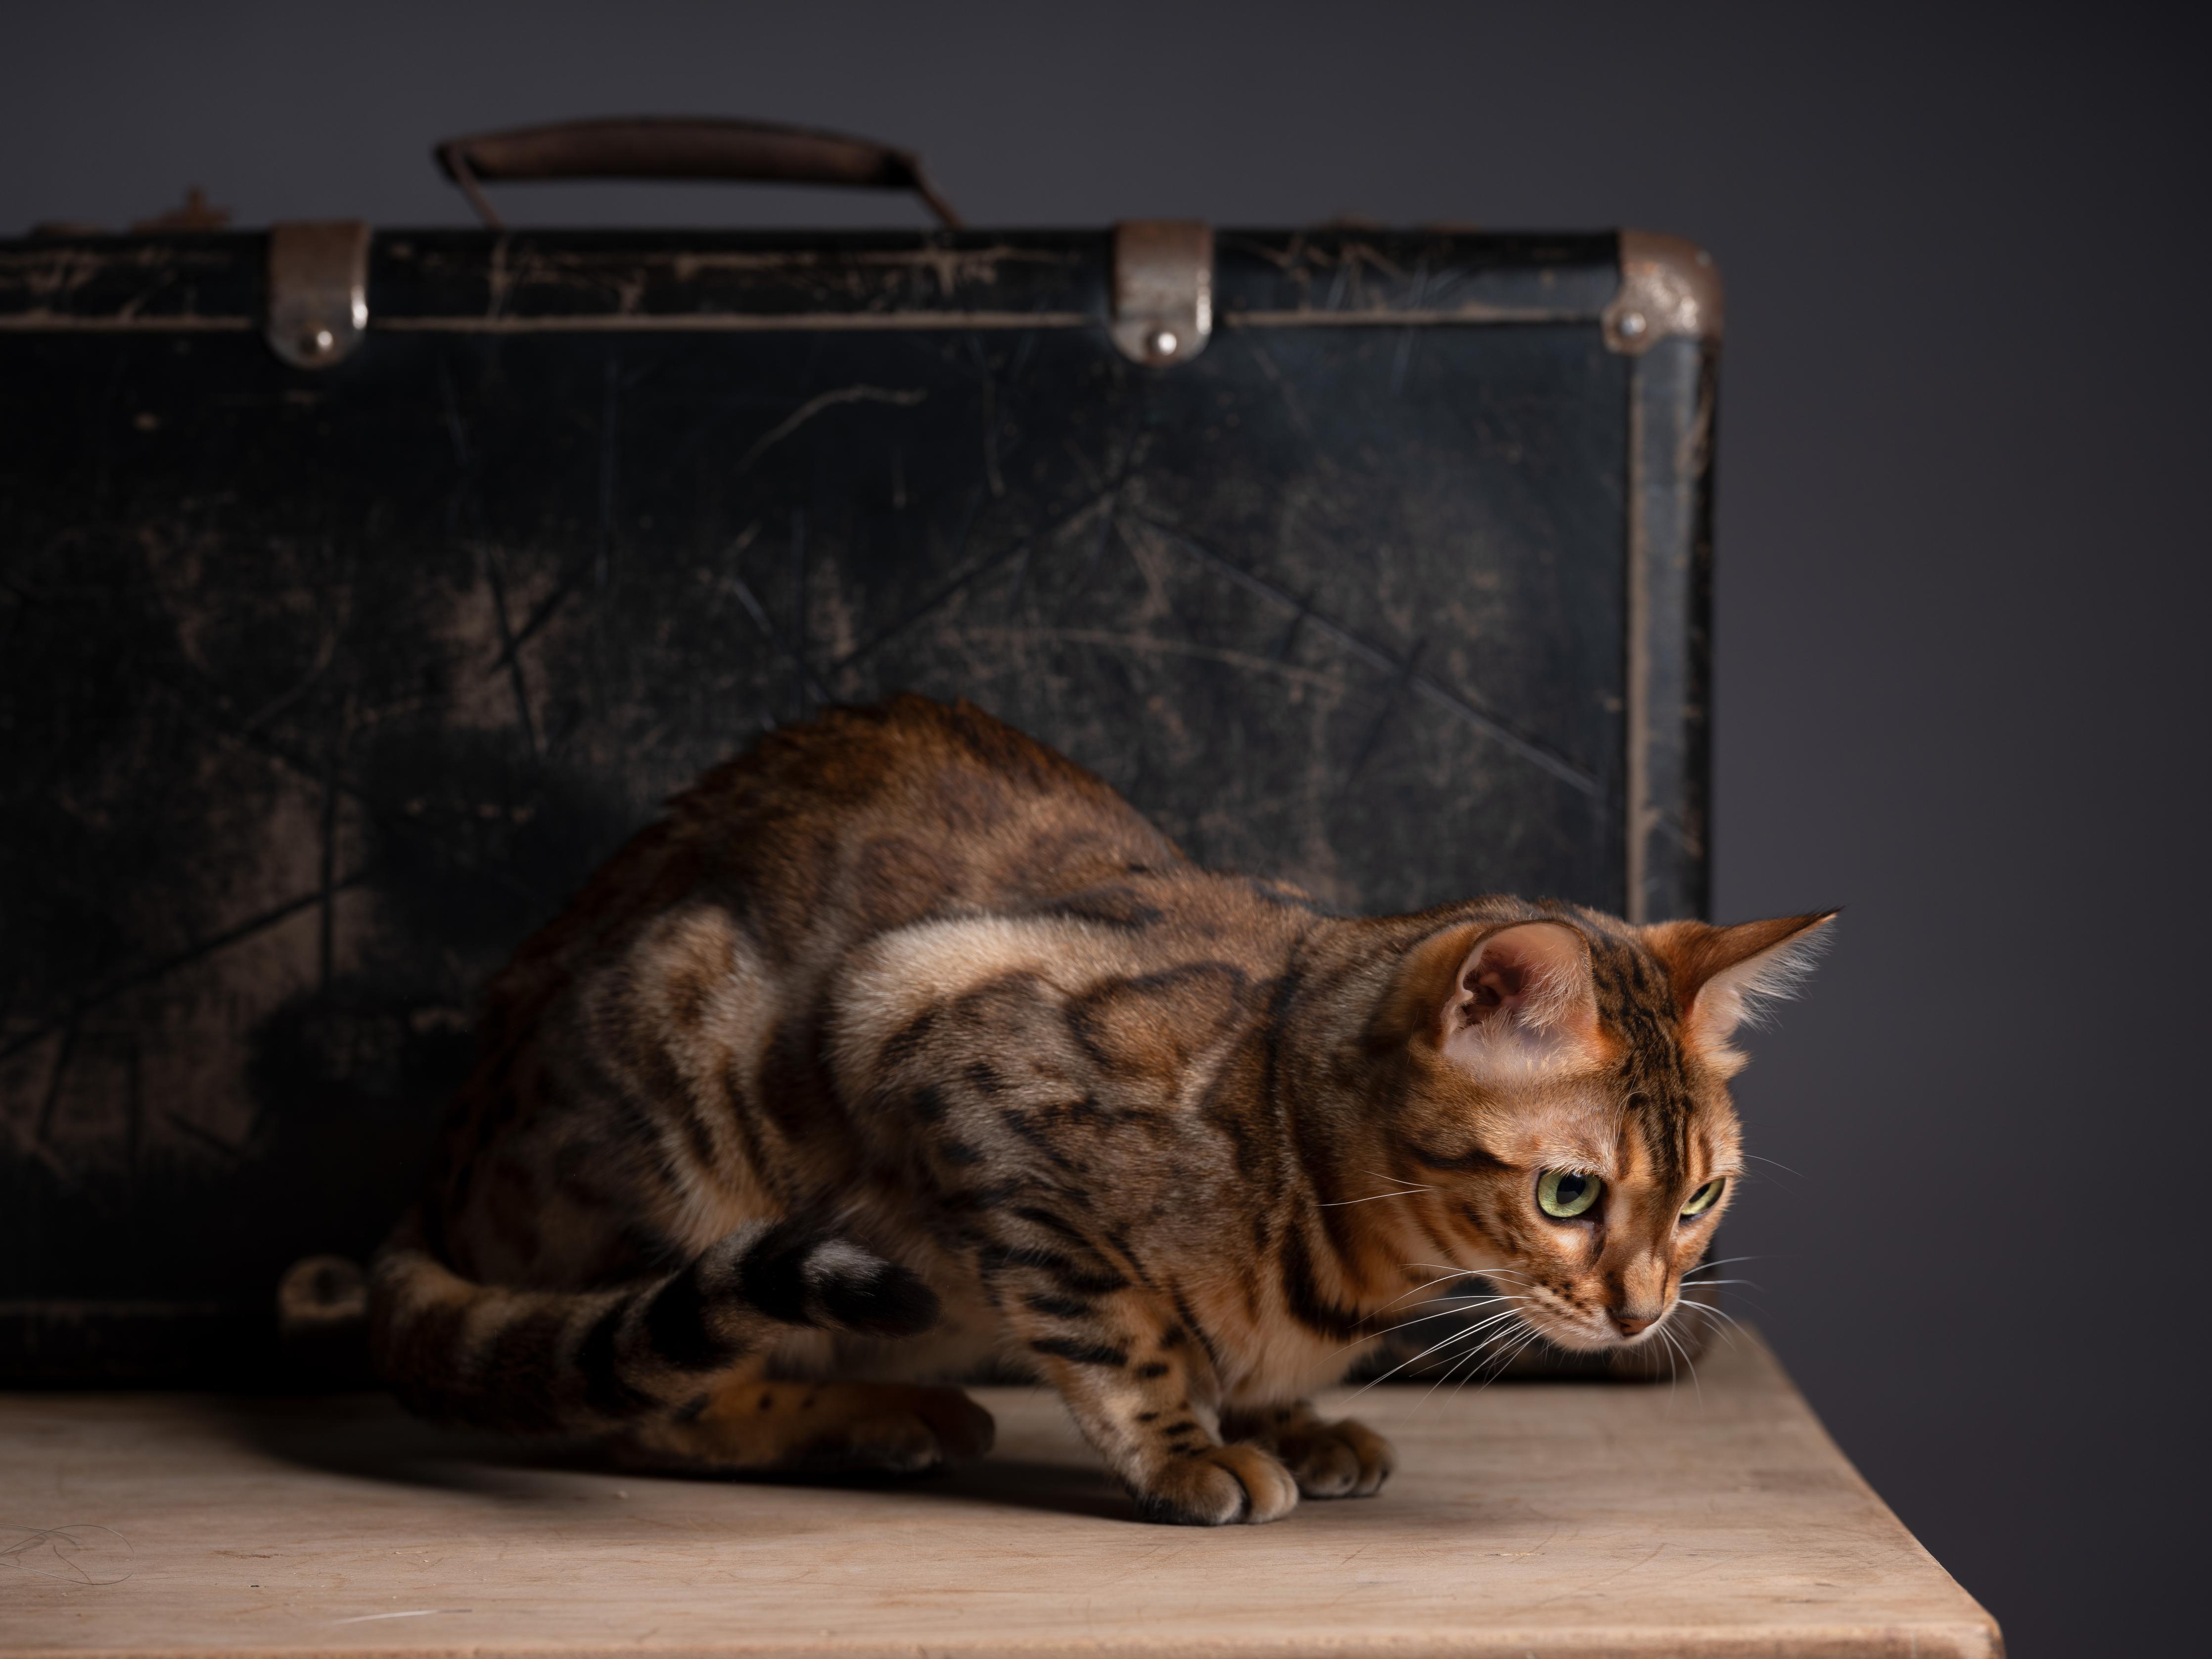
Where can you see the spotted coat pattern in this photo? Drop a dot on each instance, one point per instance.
(902, 1047)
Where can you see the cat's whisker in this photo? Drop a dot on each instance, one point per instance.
(1447, 1312)
(1688, 1359)
(1457, 1362)
(1474, 1357)
(1457, 1272)
(1506, 1364)
(1416, 1291)
(1448, 1268)
(1444, 1272)
(1504, 1316)
(1510, 1339)
(1500, 1345)
(1723, 1333)
(1469, 1295)
(1504, 1359)
(1384, 1174)
(1674, 1376)
(1745, 1292)
(1468, 1304)
(1409, 1193)
(1716, 1310)
(1720, 1314)
(1469, 1299)
(1456, 1336)
(1452, 1273)
(1720, 1261)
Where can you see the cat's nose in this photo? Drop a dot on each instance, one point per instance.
(1630, 1324)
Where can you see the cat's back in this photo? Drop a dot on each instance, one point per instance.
(893, 811)
(654, 1050)
(860, 820)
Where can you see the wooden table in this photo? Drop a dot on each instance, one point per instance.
(1532, 1518)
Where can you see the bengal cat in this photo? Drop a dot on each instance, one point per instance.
(904, 1046)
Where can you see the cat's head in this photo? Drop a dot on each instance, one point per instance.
(1569, 1108)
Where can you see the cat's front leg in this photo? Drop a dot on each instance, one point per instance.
(1344, 1459)
(1144, 1395)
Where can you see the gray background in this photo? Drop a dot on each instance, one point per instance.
(1962, 552)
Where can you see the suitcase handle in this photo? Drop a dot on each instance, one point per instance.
(662, 147)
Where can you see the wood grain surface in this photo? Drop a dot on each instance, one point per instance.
(1552, 1519)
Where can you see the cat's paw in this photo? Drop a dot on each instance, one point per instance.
(963, 1429)
(1218, 1486)
(813, 1428)
(921, 1430)
(1337, 1460)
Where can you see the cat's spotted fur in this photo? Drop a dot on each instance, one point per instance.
(903, 1047)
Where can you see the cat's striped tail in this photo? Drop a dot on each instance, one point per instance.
(498, 1357)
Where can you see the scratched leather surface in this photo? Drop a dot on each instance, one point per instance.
(318, 691)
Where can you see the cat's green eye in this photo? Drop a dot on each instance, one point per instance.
(1564, 1194)
(1704, 1197)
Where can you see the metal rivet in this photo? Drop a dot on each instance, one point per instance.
(1631, 323)
(1165, 343)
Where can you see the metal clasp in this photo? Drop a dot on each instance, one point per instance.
(318, 291)
(1670, 288)
(1163, 289)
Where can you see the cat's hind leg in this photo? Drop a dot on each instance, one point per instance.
(750, 1426)
(671, 1369)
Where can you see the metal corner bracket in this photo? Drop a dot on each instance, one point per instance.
(1163, 289)
(1670, 288)
(318, 291)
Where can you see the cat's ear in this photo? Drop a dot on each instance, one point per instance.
(1724, 976)
(1505, 1004)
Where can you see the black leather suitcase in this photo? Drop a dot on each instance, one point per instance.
(360, 590)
